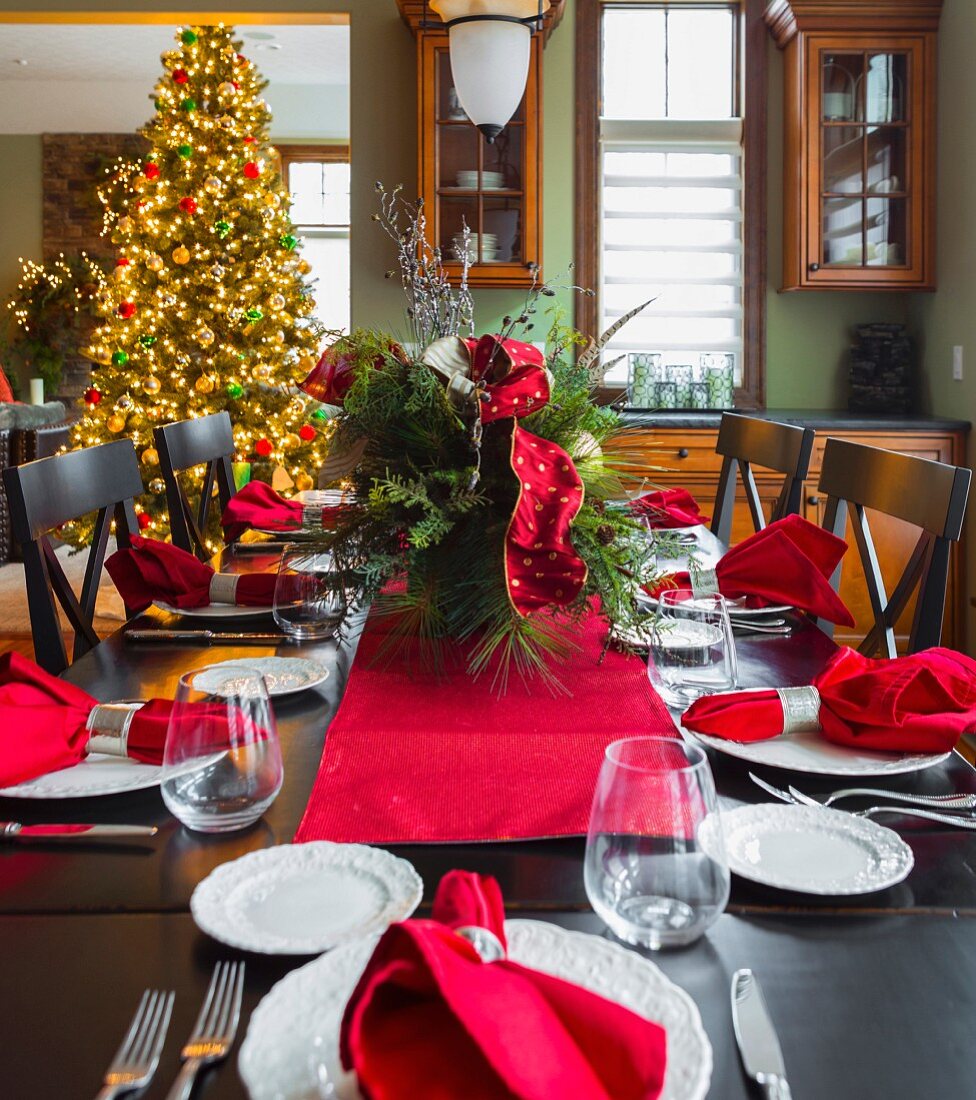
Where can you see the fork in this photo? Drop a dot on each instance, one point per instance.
(136, 1059)
(931, 801)
(213, 1033)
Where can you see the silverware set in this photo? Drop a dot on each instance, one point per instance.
(952, 809)
(213, 1034)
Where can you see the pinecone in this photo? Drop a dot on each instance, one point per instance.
(605, 534)
(600, 507)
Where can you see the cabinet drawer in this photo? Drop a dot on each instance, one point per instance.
(672, 452)
(937, 448)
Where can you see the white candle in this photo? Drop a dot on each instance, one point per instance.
(37, 391)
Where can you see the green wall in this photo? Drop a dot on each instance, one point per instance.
(20, 210)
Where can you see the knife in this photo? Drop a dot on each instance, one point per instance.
(756, 1036)
(13, 830)
(208, 637)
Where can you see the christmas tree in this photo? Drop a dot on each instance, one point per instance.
(210, 307)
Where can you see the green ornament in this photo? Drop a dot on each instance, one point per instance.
(120, 358)
(185, 151)
(319, 414)
(253, 314)
(188, 38)
(287, 241)
(189, 105)
(146, 340)
(222, 228)
(235, 390)
(158, 104)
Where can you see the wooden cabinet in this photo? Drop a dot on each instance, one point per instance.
(682, 456)
(859, 143)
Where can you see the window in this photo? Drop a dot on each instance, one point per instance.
(667, 196)
(317, 176)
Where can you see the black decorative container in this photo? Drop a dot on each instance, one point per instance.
(881, 373)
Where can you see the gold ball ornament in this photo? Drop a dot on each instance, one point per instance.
(154, 261)
(279, 337)
(261, 371)
(205, 337)
(272, 199)
(181, 254)
(304, 267)
(303, 482)
(213, 185)
(126, 224)
(152, 384)
(204, 384)
(226, 89)
(291, 442)
(115, 423)
(157, 485)
(150, 456)
(277, 301)
(121, 272)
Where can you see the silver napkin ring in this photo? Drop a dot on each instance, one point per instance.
(484, 941)
(801, 709)
(223, 587)
(704, 582)
(312, 515)
(109, 725)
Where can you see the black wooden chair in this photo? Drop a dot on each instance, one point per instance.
(206, 440)
(43, 495)
(745, 441)
(929, 495)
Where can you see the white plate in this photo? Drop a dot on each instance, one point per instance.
(96, 775)
(283, 675)
(812, 850)
(215, 611)
(295, 1029)
(736, 607)
(301, 899)
(812, 752)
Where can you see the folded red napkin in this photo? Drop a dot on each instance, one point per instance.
(47, 724)
(788, 562)
(429, 1017)
(668, 508)
(154, 570)
(258, 505)
(920, 703)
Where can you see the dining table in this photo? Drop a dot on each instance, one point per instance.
(873, 995)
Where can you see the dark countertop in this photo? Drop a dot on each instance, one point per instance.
(838, 419)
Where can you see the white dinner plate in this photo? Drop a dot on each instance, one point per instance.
(283, 675)
(811, 849)
(812, 752)
(301, 899)
(293, 1034)
(215, 611)
(96, 775)
(736, 607)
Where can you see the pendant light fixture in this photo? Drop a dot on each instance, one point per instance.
(489, 43)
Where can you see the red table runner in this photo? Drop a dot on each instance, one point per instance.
(413, 758)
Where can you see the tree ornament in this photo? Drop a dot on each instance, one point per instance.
(241, 61)
(279, 337)
(226, 88)
(144, 520)
(120, 358)
(235, 390)
(126, 310)
(225, 122)
(121, 272)
(115, 423)
(218, 270)
(321, 415)
(151, 171)
(213, 185)
(253, 314)
(263, 447)
(122, 261)
(126, 224)
(290, 442)
(180, 76)
(147, 340)
(124, 402)
(185, 151)
(152, 384)
(277, 301)
(272, 198)
(304, 267)
(252, 170)
(158, 104)
(188, 37)
(189, 105)
(167, 300)
(154, 261)
(222, 228)
(188, 204)
(261, 371)
(157, 485)
(100, 354)
(150, 456)
(205, 337)
(204, 384)
(287, 242)
(181, 255)
(303, 482)
(92, 396)
(307, 432)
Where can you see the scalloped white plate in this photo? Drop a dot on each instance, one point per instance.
(812, 850)
(215, 611)
(95, 776)
(291, 1050)
(282, 675)
(301, 899)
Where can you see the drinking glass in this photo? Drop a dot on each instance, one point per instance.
(309, 600)
(692, 651)
(655, 868)
(222, 762)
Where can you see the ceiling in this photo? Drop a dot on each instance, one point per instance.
(118, 53)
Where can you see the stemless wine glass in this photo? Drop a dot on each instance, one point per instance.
(655, 869)
(692, 651)
(222, 761)
(309, 601)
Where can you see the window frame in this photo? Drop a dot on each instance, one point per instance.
(751, 77)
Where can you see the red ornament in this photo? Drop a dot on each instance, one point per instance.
(144, 520)
(126, 310)
(188, 204)
(122, 261)
(252, 170)
(307, 432)
(242, 60)
(250, 140)
(237, 86)
(92, 396)
(180, 76)
(151, 171)
(263, 447)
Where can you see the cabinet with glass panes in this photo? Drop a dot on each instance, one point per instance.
(859, 144)
(493, 190)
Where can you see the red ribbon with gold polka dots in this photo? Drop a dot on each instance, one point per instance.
(541, 566)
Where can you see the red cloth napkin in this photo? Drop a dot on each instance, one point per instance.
(788, 562)
(42, 723)
(429, 1018)
(258, 505)
(668, 508)
(920, 703)
(154, 570)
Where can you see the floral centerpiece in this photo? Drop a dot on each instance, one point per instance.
(485, 517)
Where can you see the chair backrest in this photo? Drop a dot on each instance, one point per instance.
(43, 495)
(745, 441)
(929, 495)
(204, 441)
